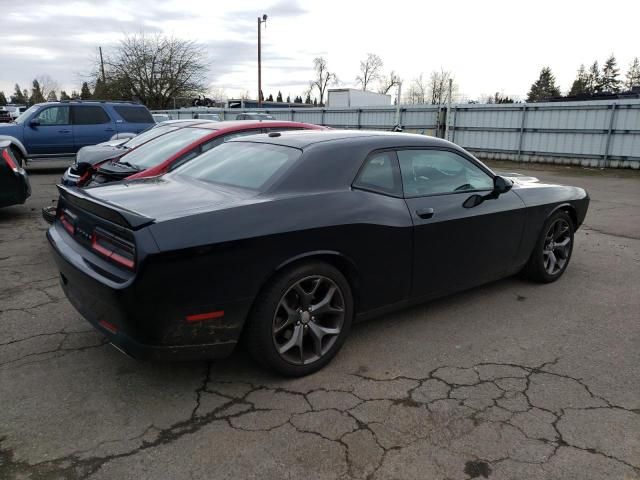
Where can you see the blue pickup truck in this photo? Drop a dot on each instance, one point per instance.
(60, 129)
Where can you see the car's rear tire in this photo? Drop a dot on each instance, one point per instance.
(301, 319)
(552, 252)
(49, 214)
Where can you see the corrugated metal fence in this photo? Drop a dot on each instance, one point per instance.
(596, 134)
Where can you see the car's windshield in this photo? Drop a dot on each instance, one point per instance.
(241, 164)
(147, 135)
(26, 114)
(158, 150)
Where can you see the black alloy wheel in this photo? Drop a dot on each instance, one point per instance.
(301, 319)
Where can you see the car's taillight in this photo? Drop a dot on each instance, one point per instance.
(68, 221)
(9, 160)
(114, 248)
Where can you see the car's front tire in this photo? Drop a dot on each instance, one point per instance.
(552, 252)
(301, 319)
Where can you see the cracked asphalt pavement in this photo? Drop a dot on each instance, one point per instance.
(512, 380)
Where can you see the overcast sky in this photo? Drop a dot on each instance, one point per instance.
(489, 45)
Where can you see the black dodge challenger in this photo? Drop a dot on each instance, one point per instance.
(285, 239)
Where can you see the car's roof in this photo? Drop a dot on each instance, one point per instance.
(248, 124)
(304, 138)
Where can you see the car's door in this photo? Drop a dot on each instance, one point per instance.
(457, 247)
(52, 134)
(91, 125)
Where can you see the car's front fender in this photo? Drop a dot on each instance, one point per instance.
(17, 143)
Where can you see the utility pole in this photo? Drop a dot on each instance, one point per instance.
(260, 22)
(104, 79)
(446, 128)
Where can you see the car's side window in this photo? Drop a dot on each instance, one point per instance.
(379, 174)
(85, 115)
(220, 140)
(185, 158)
(432, 172)
(54, 116)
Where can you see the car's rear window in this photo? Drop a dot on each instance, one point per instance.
(147, 135)
(133, 114)
(248, 165)
(161, 148)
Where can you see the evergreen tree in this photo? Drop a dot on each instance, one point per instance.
(288, 99)
(315, 102)
(270, 98)
(298, 99)
(610, 72)
(100, 91)
(594, 79)
(3, 99)
(52, 97)
(18, 97)
(85, 93)
(308, 99)
(75, 95)
(64, 96)
(580, 84)
(543, 88)
(279, 97)
(25, 95)
(633, 75)
(36, 94)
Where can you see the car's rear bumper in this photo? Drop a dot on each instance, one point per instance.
(109, 310)
(19, 191)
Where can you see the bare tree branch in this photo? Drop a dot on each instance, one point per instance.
(323, 77)
(370, 70)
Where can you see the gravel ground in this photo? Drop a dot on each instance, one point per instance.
(512, 380)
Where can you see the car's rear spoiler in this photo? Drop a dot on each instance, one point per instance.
(113, 213)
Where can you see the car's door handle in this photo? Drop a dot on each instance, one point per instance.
(425, 212)
(64, 131)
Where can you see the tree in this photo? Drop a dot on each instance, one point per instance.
(270, 98)
(499, 98)
(417, 91)
(47, 85)
(154, 70)
(279, 97)
(388, 82)
(633, 75)
(18, 97)
(594, 79)
(610, 81)
(64, 96)
(85, 92)
(370, 70)
(323, 78)
(544, 87)
(52, 97)
(25, 95)
(75, 95)
(581, 83)
(36, 93)
(438, 87)
(288, 99)
(308, 99)
(315, 102)
(3, 99)
(99, 91)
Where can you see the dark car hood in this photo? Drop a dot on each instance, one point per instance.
(166, 197)
(99, 153)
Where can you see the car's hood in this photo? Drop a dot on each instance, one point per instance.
(518, 178)
(167, 197)
(99, 153)
(9, 128)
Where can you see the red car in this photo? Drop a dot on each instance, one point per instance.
(168, 151)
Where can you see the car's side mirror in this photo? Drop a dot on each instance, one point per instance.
(501, 185)
(34, 122)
